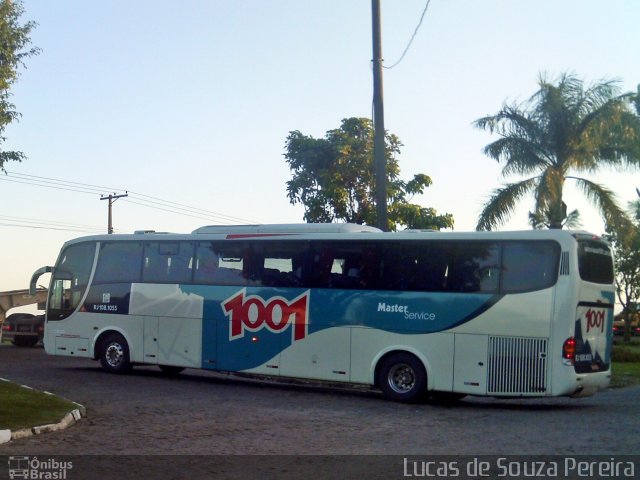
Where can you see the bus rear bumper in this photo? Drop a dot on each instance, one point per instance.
(591, 383)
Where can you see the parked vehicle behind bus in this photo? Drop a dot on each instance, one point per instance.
(23, 329)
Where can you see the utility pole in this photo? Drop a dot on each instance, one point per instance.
(379, 160)
(112, 198)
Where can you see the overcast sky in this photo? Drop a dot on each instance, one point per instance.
(190, 102)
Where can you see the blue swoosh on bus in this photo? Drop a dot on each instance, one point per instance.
(239, 317)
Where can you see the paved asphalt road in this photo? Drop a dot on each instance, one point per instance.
(201, 413)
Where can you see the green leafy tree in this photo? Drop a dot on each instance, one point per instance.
(14, 49)
(333, 177)
(626, 249)
(563, 130)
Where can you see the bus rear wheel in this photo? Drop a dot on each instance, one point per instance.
(114, 354)
(403, 378)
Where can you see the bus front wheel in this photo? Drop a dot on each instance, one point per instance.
(403, 378)
(114, 355)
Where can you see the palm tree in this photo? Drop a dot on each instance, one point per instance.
(572, 219)
(563, 130)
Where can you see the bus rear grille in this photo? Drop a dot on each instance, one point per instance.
(564, 263)
(517, 366)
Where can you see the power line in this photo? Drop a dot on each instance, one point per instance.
(53, 185)
(63, 184)
(13, 221)
(50, 222)
(44, 227)
(147, 201)
(415, 32)
(179, 208)
(195, 212)
(201, 217)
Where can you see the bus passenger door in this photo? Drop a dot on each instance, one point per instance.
(150, 340)
(180, 341)
(209, 342)
(470, 364)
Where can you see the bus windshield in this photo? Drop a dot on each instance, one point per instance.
(70, 279)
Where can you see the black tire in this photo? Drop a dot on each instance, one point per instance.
(114, 354)
(24, 342)
(403, 378)
(171, 370)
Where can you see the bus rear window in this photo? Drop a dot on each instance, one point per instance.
(595, 262)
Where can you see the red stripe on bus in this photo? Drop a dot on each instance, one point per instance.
(253, 235)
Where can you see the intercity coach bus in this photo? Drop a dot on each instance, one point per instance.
(416, 314)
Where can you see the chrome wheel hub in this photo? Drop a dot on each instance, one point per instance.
(401, 378)
(114, 354)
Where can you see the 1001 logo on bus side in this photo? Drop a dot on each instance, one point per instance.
(253, 313)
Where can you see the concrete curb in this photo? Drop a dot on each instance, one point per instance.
(69, 419)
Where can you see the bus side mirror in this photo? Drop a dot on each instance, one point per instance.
(34, 278)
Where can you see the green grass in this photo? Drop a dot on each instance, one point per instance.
(626, 363)
(626, 352)
(625, 374)
(24, 408)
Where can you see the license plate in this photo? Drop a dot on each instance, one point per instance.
(24, 328)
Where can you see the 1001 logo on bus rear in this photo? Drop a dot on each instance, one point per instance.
(253, 313)
(595, 319)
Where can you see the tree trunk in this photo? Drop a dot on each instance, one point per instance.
(628, 316)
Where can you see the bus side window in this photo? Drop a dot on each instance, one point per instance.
(370, 268)
(167, 262)
(344, 265)
(219, 263)
(393, 267)
(529, 266)
(414, 267)
(322, 266)
(119, 262)
(475, 268)
(432, 264)
(281, 264)
(206, 264)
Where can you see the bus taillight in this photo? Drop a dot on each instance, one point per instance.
(569, 350)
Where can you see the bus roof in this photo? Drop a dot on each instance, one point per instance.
(335, 231)
(288, 228)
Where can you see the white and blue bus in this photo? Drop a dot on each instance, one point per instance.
(505, 314)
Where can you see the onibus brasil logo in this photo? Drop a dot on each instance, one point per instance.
(253, 313)
(33, 468)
